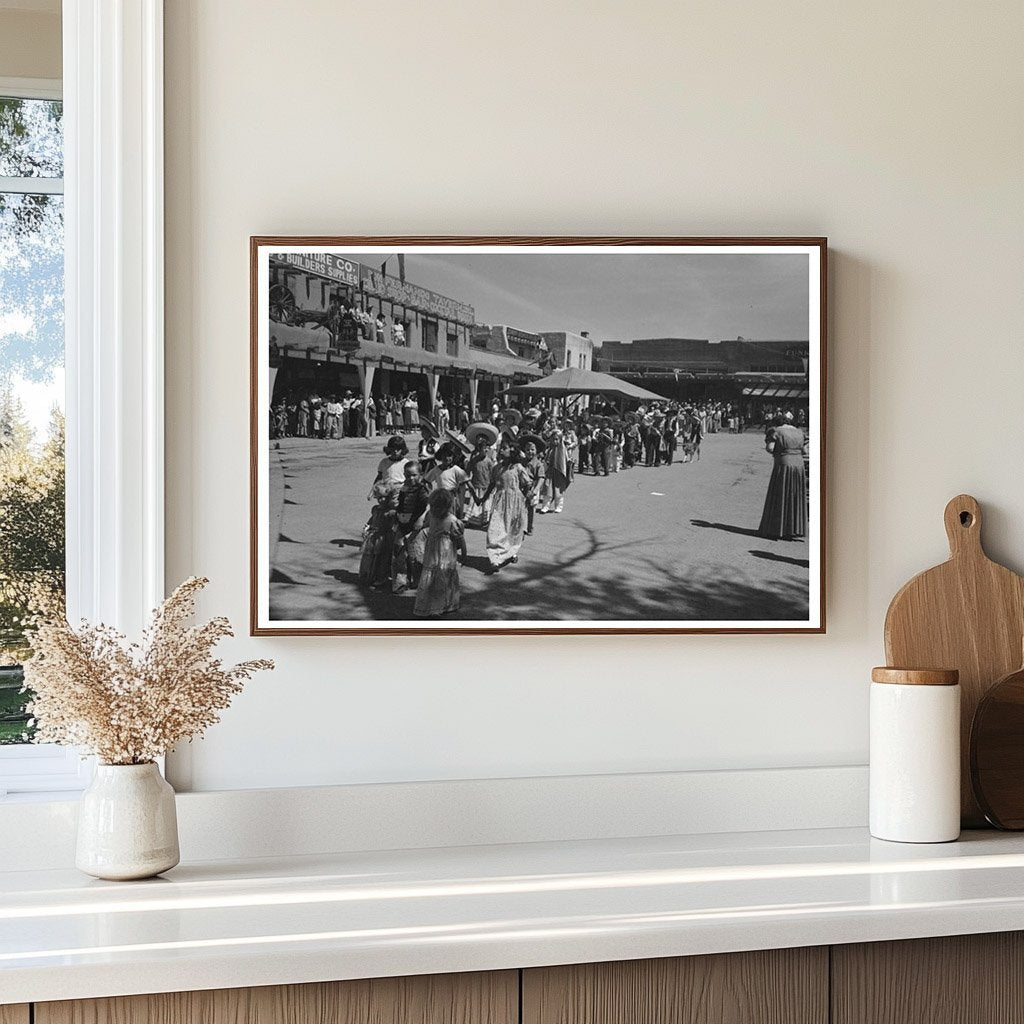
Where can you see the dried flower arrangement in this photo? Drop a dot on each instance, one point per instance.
(130, 703)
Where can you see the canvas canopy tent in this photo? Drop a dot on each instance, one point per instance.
(582, 382)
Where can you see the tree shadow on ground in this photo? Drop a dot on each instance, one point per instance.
(770, 556)
(344, 576)
(562, 590)
(346, 542)
(724, 526)
(276, 576)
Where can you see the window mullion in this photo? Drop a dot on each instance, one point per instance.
(32, 186)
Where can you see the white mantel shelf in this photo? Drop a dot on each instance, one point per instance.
(226, 924)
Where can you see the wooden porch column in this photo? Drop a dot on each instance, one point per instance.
(366, 372)
(474, 411)
(433, 378)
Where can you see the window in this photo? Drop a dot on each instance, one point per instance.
(113, 331)
(32, 564)
(429, 329)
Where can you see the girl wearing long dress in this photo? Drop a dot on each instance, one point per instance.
(510, 483)
(785, 505)
(378, 538)
(438, 590)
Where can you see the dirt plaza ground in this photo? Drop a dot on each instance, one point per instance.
(676, 542)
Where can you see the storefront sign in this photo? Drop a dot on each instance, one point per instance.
(324, 264)
(394, 290)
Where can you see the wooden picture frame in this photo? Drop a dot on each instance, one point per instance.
(317, 303)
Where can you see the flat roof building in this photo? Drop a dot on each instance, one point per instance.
(337, 324)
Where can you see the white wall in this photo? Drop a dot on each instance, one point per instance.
(895, 129)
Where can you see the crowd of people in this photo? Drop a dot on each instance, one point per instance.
(489, 479)
(498, 474)
(338, 415)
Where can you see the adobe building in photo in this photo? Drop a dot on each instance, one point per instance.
(744, 371)
(338, 325)
(568, 350)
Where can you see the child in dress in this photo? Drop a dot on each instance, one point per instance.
(510, 483)
(391, 469)
(410, 522)
(438, 590)
(378, 538)
(448, 475)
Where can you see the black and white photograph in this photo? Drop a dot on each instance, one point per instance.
(537, 435)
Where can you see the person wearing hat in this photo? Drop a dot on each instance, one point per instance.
(481, 469)
(670, 435)
(530, 447)
(603, 447)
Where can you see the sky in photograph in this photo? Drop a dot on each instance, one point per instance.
(622, 296)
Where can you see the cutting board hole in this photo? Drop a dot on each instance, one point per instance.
(966, 519)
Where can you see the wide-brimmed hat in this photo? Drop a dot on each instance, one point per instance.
(476, 430)
(525, 439)
(428, 427)
(513, 416)
(450, 437)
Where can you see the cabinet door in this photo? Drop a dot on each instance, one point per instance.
(490, 998)
(778, 986)
(14, 1014)
(962, 979)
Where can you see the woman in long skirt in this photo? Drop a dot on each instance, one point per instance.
(510, 483)
(438, 590)
(785, 506)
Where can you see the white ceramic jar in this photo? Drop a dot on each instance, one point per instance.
(915, 755)
(127, 823)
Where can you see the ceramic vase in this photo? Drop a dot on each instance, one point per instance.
(127, 825)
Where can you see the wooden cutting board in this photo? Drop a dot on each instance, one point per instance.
(967, 614)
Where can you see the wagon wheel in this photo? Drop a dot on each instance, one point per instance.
(282, 303)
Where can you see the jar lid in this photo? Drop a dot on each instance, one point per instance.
(916, 676)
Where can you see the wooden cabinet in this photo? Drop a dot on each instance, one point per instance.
(491, 998)
(967, 979)
(962, 979)
(778, 986)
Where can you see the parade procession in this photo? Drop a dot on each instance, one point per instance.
(428, 467)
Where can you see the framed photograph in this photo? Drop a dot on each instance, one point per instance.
(537, 435)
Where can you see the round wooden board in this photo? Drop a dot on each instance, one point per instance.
(997, 752)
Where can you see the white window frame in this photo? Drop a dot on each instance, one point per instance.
(114, 345)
